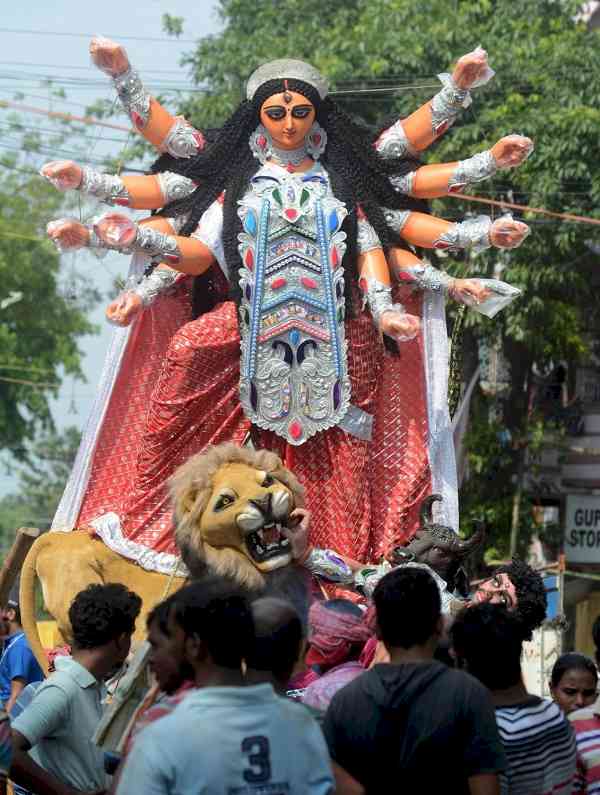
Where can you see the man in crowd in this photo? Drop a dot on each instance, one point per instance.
(414, 723)
(18, 666)
(53, 753)
(224, 736)
(538, 741)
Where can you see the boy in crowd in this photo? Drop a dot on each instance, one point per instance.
(538, 741)
(414, 722)
(53, 753)
(18, 666)
(224, 736)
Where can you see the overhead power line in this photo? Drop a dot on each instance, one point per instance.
(116, 36)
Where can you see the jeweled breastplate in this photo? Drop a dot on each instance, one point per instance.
(294, 373)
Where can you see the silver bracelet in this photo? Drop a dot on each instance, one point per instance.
(426, 277)
(474, 234)
(157, 244)
(367, 238)
(106, 187)
(447, 104)
(403, 184)
(378, 297)
(474, 169)
(134, 97)
(153, 285)
(325, 563)
(396, 219)
(183, 140)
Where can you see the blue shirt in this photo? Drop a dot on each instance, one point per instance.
(230, 741)
(17, 662)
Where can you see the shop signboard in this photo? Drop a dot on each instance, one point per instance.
(582, 528)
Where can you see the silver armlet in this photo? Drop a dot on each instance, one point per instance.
(447, 104)
(425, 277)
(474, 234)
(325, 563)
(367, 238)
(174, 186)
(157, 244)
(107, 188)
(134, 97)
(396, 219)
(366, 579)
(153, 285)
(393, 142)
(183, 140)
(403, 184)
(474, 169)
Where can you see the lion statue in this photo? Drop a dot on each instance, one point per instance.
(234, 508)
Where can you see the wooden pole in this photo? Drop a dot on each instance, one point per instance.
(11, 567)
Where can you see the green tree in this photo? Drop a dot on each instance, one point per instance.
(41, 482)
(382, 57)
(40, 320)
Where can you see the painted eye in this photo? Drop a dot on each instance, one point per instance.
(268, 481)
(275, 113)
(224, 501)
(301, 113)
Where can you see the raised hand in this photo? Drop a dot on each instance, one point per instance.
(468, 291)
(124, 309)
(471, 69)
(399, 325)
(511, 151)
(507, 233)
(116, 230)
(63, 174)
(68, 234)
(297, 533)
(109, 56)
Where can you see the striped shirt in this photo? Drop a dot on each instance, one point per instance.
(586, 723)
(540, 748)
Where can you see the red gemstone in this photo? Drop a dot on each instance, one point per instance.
(362, 283)
(334, 257)
(172, 258)
(221, 198)
(441, 128)
(317, 138)
(249, 259)
(261, 141)
(405, 276)
(309, 283)
(295, 429)
(137, 120)
(121, 202)
(276, 284)
(198, 139)
(457, 188)
(360, 213)
(291, 214)
(441, 244)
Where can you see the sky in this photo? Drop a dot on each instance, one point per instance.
(25, 57)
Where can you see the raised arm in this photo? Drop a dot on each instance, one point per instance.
(431, 120)
(149, 192)
(172, 134)
(440, 179)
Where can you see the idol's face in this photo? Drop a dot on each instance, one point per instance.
(288, 118)
(498, 590)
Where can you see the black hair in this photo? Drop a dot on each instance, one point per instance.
(160, 613)
(596, 636)
(278, 634)
(344, 606)
(531, 594)
(12, 605)
(489, 639)
(408, 607)
(573, 661)
(101, 613)
(219, 614)
(358, 175)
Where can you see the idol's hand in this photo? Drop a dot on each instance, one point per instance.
(116, 230)
(124, 309)
(470, 68)
(468, 291)
(68, 234)
(109, 56)
(506, 233)
(63, 174)
(511, 151)
(399, 325)
(297, 533)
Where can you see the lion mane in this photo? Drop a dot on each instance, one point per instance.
(191, 487)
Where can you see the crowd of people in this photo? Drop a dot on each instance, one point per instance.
(248, 699)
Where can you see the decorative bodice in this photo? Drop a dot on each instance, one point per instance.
(294, 373)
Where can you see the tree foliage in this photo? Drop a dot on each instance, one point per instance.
(546, 87)
(39, 332)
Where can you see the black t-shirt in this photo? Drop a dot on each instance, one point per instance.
(418, 727)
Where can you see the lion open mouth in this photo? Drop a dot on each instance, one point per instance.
(267, 542)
